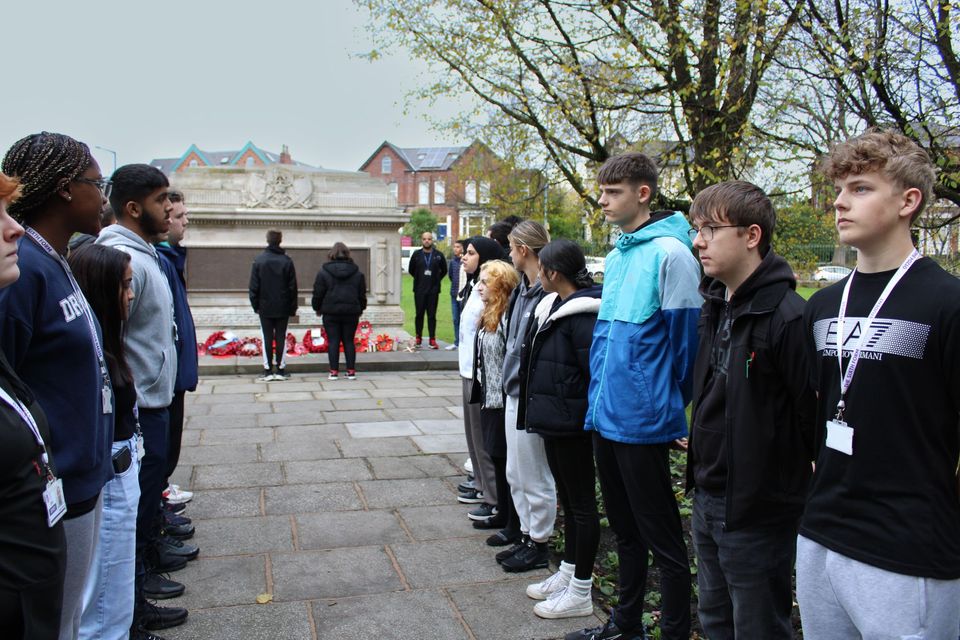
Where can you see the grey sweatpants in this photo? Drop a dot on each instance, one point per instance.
(842, 598)
(484, 476)
(532, 486)
(82, 534)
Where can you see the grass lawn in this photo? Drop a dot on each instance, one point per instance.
(806, 292)
(444, 318)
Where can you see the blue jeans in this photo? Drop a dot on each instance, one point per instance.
(455, 309)
(108, 597)
(743, 576)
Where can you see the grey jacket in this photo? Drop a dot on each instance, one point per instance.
(151, 328)
(523, 302)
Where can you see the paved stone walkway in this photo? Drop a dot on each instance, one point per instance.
(339, 499)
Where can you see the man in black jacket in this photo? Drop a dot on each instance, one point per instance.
(751, 438)
(273, 294)
(428, 267)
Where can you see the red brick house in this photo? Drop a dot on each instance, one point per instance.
(439, 179)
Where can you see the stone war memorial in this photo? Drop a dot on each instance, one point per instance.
(231, 209)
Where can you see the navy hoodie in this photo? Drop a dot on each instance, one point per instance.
(173, 260)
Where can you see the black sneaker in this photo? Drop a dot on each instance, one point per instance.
(533, 555)
(506, 553)
(502, 538)
(139, 633)
(158, 587)
(609, 631)
(470, 497)
(155, 617)
(169, 546)
(482, 512)
(493, 522)
(469, 485)
(174, 508)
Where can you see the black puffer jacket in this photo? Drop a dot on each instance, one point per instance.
(273, 284)
(340, 289)
(555, 367)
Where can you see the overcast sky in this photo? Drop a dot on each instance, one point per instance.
(147, 79)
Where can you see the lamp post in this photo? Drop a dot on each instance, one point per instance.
(111, 152)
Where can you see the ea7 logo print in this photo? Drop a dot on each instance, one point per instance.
(72, 307)
(885, 336)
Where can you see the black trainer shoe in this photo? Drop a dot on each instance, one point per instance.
(173, 547)
(506, 553)
(139, 633)
(171, 519)
(174, 508)
(533, 555)
(158, 587)
(609, 631)
(493, 522)
(179, 531)
(470, 497)
(482, 512)
(502, 538)
(155, 617)
(467, 485)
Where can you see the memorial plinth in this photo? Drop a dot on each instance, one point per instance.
(232, 208)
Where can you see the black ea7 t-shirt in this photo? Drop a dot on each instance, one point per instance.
(894, 503)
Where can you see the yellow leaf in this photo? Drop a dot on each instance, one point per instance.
(264, 598)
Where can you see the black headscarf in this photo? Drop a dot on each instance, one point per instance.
(488, 250)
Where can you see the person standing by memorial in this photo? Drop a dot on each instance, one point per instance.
(273, 295)
(340, 296)
(428, 267)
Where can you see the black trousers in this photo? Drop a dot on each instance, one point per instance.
(341, 329)
(571, 462)
(643, 513)
(32, 613)
(176, 432)
(495, 442)
(425, 303)
(274, 330)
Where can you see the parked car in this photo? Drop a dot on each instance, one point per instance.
(405, 253)
(595, 267)
(831, 273)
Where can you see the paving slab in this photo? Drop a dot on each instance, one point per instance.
(451, 562)
(230, 476)
(316, 449)
(311, 498)
(233, 536)
(421, 412)
(442, 443)
(301, 432)
(220, 421)
(446, 425)
(284, 396)
(425, 615)
(441, 522)
(285, 418)
(376, 447)
(422, 466)
(312, 471)
(352, 404)
(225, 503)
(349, 529)
(223, 581)
(218, 454)
(309, 575)
(381, 494)
(248, 435)
(381, 429)
(289, 621)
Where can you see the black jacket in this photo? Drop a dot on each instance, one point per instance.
(555, 365)
(340, 289)
(769, 403)
(418, 265)
(273, 284)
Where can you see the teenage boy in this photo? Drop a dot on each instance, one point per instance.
(273, 295)
(641, 366)
(142, 205)
(453, 272)
(751, 435)
(428, 267)
(878, 553)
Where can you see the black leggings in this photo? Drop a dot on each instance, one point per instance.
(571, 462)
(176, 432)
(425, 303)
(495, 442)
(341, 328)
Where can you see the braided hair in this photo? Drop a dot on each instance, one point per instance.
(44, 163)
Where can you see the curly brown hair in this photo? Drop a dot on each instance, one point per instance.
(889, 152)
(501, 280)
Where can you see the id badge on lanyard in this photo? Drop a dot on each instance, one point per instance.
(839, 433)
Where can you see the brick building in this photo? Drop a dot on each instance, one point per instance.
(449, 181)
(250, 155)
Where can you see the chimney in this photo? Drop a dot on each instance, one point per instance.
(285, 155)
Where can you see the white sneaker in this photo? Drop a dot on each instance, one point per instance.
(468, 466)
(176, 495)
(450, 347)
(565, 604)
(544, 589)
(266, 377)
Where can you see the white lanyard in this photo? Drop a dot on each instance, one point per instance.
(81, 299)
(865, 330)
(27, 417)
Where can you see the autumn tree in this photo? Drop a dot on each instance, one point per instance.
(574, 74)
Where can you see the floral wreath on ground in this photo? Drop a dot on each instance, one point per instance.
(226, 343)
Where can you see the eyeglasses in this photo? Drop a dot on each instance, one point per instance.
(105, 185)
(707, 231)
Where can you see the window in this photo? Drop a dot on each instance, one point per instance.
(194, 163)
(249, 161)
(423, 192)
(470, 192)
(386, 165)
(393, 189)
(484, 192)
(439, 192)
